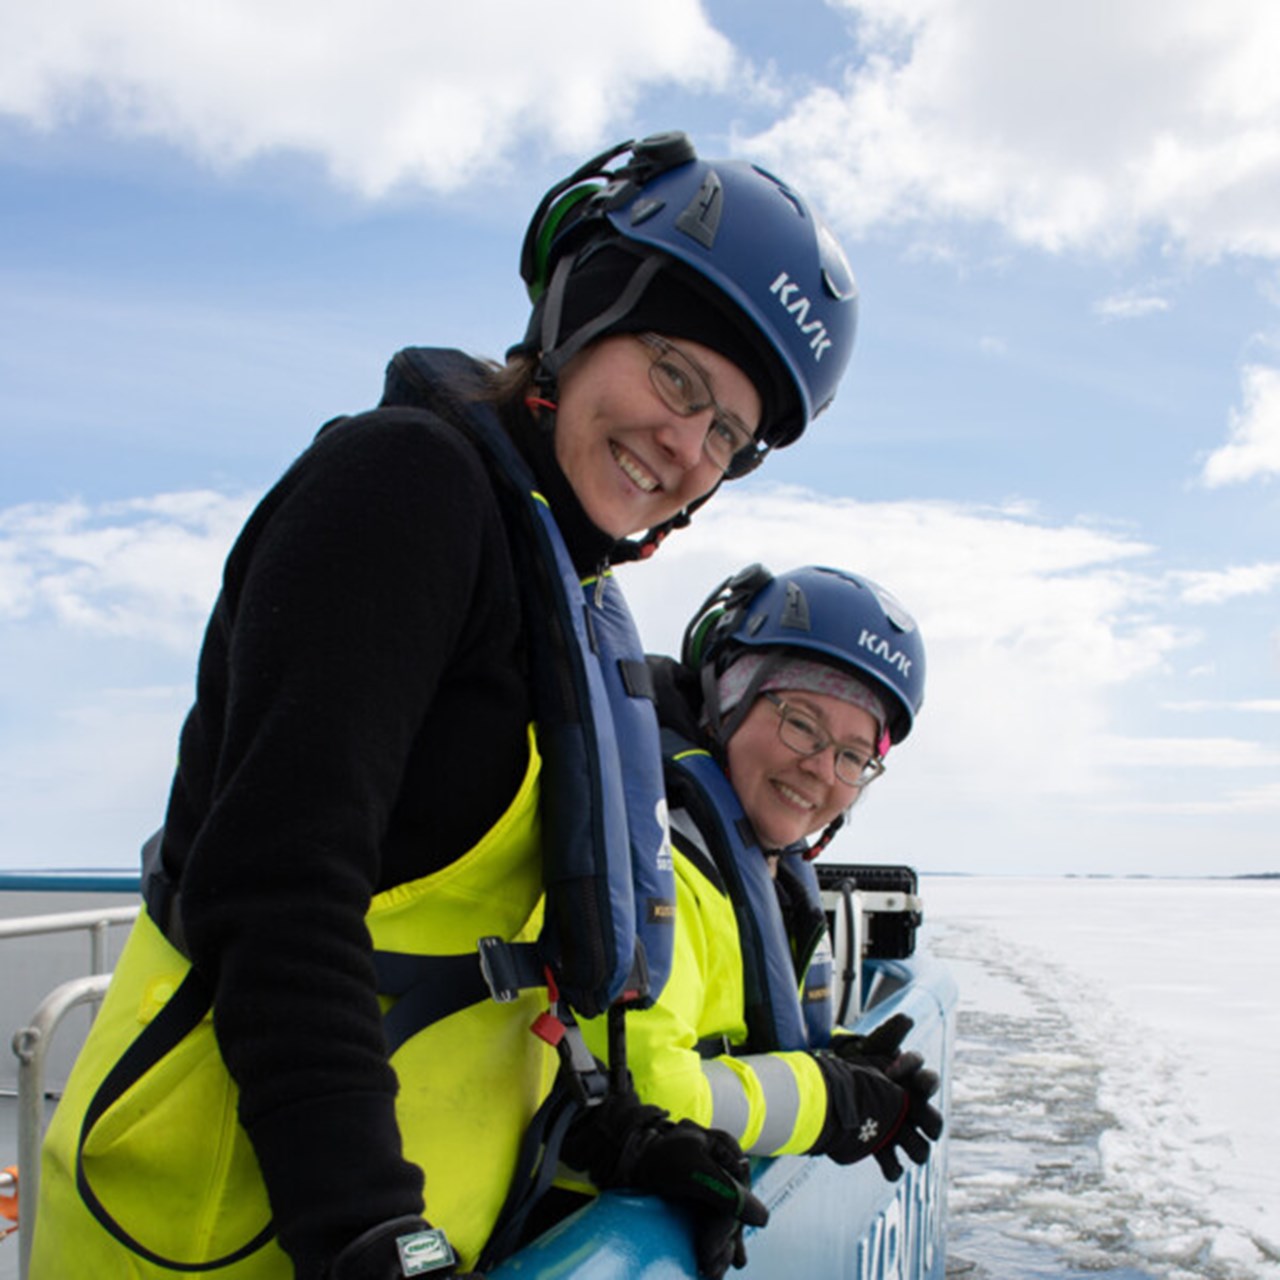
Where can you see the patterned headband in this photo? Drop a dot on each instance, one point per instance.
(801, 674)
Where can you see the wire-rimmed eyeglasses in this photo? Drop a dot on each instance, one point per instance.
(855, 766)
(683, 388)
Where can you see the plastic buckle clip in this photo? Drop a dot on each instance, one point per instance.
(499, 969)
(587, 1078)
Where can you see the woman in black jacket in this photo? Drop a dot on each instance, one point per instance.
(370, 769)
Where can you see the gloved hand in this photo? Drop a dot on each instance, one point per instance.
(879, 1048)
(377, 1255)
(882, 1049)
(622, 1143)
(869, 1114)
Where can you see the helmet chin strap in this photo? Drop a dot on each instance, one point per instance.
(643, 548)
(555, 354)
(825, 838)
(724, 727)
(808, 852)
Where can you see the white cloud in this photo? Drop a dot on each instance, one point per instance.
(1029, 629)
(1131, 306)
(146, 569)
(1253, 449)
(1088, 125)
(383, 91)
(1036, 635)
(1241, 802)
(1187, 753)
(1040, 640)
(1084, 126)
(1269, 706)
(1226, 584)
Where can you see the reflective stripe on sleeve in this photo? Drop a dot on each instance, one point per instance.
(730, 1109)
(776, 1093)
(782, 1101)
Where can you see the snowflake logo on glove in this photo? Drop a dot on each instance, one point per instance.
(869, 1130)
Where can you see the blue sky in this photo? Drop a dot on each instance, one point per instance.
(1058, 442)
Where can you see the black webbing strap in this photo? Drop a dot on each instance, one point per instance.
(535, 1171)
(581, 1083)
(715, 1047)
(430, 988)
(181, 1014)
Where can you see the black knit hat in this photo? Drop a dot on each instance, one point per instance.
(677, 304)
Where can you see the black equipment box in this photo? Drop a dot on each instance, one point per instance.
(891, 904)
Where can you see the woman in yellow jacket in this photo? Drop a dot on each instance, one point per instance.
(367, 782)
(789, 693)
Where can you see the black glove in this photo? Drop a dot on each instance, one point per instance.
(882, 1049)
(869, 1114)
(622, 1143)
(376, 1255)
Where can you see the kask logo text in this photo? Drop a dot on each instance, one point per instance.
(883, 649)
(799, 308)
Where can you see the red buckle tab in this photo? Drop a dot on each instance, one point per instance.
(546, 1026)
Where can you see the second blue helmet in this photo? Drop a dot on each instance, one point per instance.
(837, 616)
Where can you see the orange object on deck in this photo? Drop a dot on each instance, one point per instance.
(8, 1200)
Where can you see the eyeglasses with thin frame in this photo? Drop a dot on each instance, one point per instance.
(855, 766)
(683, 388)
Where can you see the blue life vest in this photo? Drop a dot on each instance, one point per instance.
(610, 889)
(811, 945)
(609, 886)
(776, 1017)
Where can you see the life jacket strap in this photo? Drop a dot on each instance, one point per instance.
(428, 989)
(509, 967)
(535, 1171)
(581, 1082)
(715, 1047)
(580, 1073)
(181, 1014)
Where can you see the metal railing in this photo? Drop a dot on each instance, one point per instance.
(95, 923)
(31, 1043)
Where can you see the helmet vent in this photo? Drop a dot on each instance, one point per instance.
(700, 218)
(795, 611)
(644, 209)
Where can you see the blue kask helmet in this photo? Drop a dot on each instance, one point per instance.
(735, 246)
(837, 617)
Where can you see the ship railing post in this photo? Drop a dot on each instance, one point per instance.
(30, 1045)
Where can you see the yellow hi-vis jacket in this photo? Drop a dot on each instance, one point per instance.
(772, 1103)
(169, 1160)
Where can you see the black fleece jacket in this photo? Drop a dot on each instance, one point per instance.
(360, 721)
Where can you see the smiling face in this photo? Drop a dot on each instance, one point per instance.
(631, 460)
(788, 796)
